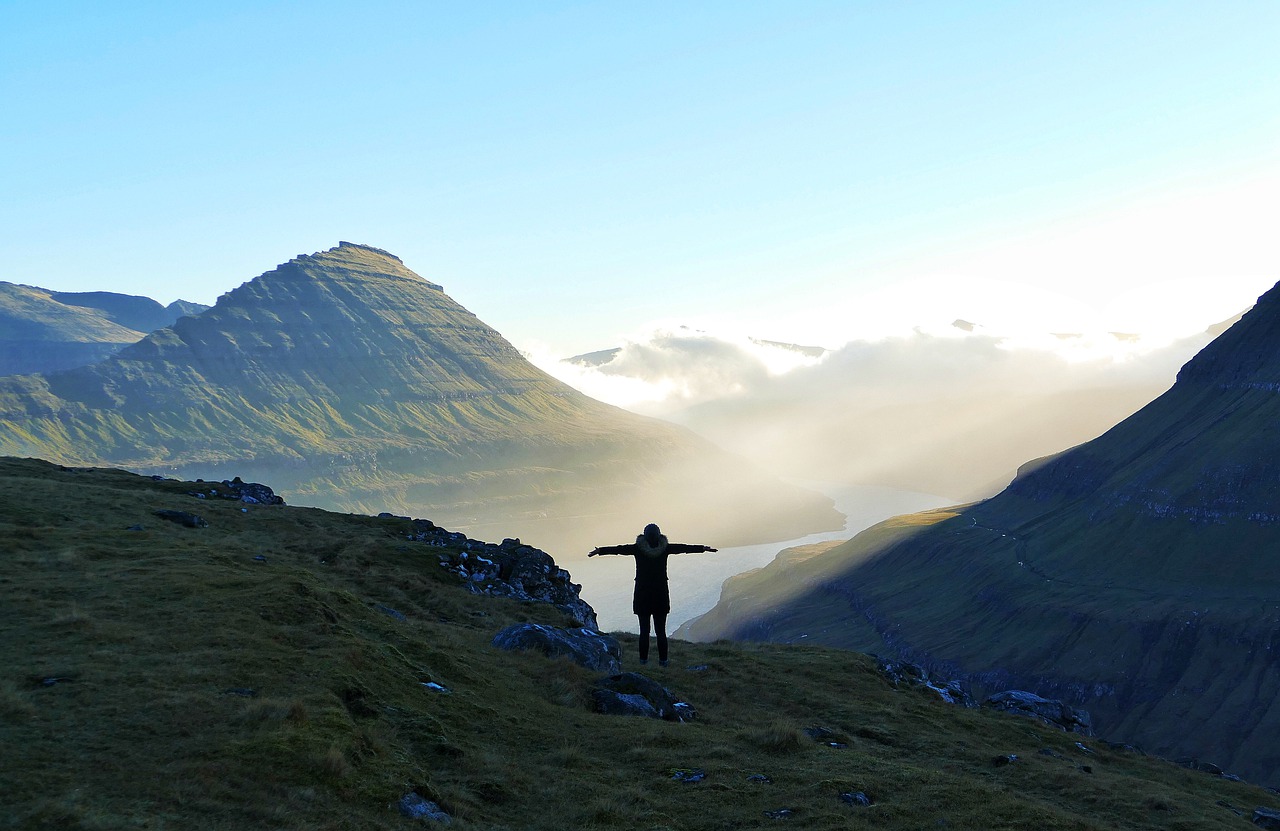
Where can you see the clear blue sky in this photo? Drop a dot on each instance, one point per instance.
(569, 171)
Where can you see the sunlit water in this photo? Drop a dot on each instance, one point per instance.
(696, 579)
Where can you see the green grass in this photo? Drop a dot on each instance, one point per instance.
(159, 633)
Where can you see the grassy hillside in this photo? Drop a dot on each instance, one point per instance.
(167, 678)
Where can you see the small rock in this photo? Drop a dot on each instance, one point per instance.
(243, 692)
(698, 668)
(1266, 818)
(824, 735)
(440, 688)
(857, 798)
(1083, 748)
(781, 813)
(390, 612)
(1007, 759)
(759, 779)
(183, 518)
(135, 528)
(259, 559)
(1222, 803)
(414, 806)
(688, 775)
(1086, 768)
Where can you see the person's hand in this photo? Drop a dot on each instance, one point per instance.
(593, 552)
(713, 549)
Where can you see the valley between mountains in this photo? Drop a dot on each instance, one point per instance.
(1133, 576)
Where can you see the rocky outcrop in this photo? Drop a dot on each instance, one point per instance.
(1046, 710)
(510, 569)
(902, 673)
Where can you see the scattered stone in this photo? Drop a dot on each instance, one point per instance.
(1204, 767)
(857, 798)
(259, 559)
(51, 681)
(759, 779)
(585, 647)
(1047, 710)
(1086, 768)
(1121, 747)
(135, 528)
(698, 668)
(440, 688)
(390, 612)
(688, 775)
(913, 675)
(632, 694)
(1049, 751)
(183, 518)
(1006, 759)
(1084, 748)
(243, 692)
(1268, 818)
(827, 736)
(1222, 803)
(252, 493)
(781, 813)
(415, 806)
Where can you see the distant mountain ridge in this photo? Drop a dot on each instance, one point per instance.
(356, 384)
(1134, 575)
(48, 331)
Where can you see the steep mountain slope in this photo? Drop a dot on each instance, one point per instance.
(48, 331)
(289, 668)
(1134, 575)
(353, 383)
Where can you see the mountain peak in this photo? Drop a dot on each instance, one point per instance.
(352, 259)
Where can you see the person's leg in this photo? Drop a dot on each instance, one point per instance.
(660, 625)
(644, 638)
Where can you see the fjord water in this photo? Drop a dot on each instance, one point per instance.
(696, 579)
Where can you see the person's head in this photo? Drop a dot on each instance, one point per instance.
(652, 534)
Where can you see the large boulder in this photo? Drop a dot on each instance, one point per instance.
(1048, 710)
(632, 694)
(585, 647)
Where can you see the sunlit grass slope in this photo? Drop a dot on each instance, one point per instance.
(166, 678)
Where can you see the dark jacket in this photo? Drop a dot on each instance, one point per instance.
(652, 596)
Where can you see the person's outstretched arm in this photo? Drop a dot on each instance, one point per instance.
(610, 549)
(685, 548)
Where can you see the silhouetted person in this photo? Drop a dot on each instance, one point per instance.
(652, 599)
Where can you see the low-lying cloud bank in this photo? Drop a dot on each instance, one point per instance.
(953, 412)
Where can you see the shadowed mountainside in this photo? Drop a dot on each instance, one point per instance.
(1134, 575)
(48, 331)
(352, 383)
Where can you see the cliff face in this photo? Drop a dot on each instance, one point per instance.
(1133, 575)
(356, 384)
